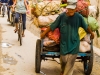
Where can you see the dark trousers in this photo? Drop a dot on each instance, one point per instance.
(8, 12)
(17, 15)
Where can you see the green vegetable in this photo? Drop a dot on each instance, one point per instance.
(63, 5)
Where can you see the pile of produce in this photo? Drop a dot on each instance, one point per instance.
(46, 12)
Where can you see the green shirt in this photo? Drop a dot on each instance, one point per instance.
(20, 6)
(69, 38)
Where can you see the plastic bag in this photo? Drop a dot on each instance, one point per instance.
(81, 32)
(87, 38)
(92, 11)
(55, 35)
(48, 42)
(53, 17)
(84, 46)
(43, 20)
(46, 20)
(92, 22)
(82, 7)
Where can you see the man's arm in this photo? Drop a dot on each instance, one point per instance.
(15, 1)
(90, 31)
(52, 27)
(45, 32)
(13, 6)
(86, 27)
(26, 5)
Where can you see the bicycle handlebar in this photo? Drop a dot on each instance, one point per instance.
(4, 3)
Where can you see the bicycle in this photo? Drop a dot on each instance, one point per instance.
(11, 16)
(20, 29)
(13, 19)
(3, 8)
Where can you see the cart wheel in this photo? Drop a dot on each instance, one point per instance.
(88, 62)
(38, 56)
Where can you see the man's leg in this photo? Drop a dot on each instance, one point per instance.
(67, 63)
(24, 23)
(63, 63)
(8, 13)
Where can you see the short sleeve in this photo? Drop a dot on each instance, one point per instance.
(56, 23)
(83, 24)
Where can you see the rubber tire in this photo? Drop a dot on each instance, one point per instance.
(13, 20)
(3, 12)
(88, 63)
(38, 56)
(3, 15)
(20, 34)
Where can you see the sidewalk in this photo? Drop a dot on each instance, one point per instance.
(96, 50)
(16, 59)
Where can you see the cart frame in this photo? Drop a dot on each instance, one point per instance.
(43, 52)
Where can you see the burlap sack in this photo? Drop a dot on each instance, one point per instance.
(46, 20)
(35, 22)
(47, 7)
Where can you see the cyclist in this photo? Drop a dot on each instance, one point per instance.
(2, 1)
(21, 6)
(10, 3)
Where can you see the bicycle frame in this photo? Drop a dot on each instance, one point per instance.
(11, 16)
(20, 29)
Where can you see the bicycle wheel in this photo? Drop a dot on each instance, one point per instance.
(13, 19)
(3, 12)
(20, 33)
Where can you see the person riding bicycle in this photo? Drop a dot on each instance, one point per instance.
(68, 23)
(2, 1)
(21, 6)
(10, 3)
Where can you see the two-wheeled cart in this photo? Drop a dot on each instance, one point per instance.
(43, 52)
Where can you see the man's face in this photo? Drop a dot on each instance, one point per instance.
(70, 12)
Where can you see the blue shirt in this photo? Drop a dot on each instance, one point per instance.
(10, 2)
(4, 1)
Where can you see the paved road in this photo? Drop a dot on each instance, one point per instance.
(20, 60)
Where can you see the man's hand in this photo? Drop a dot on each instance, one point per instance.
(92, 36)
(42, 35)
(90, 31)
(45, 32)
(27, 11)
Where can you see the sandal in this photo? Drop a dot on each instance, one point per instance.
(15, 30)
